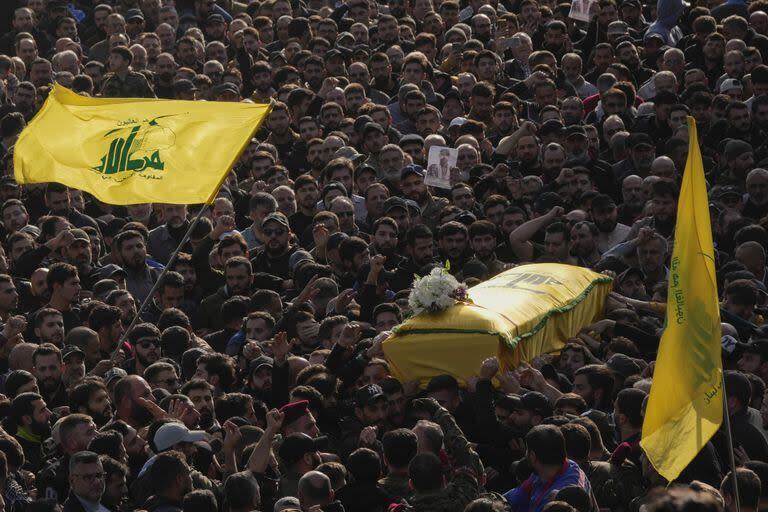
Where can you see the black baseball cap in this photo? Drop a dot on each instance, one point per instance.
(533, 402)
(368, 395)
(757, 346)
(295, 445)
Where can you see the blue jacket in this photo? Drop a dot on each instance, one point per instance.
(533, 494)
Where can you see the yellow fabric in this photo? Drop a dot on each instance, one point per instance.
(685, 407)
(521, 313)
(127, 151)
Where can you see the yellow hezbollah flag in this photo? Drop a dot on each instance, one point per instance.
(128, 151)
(685, 408)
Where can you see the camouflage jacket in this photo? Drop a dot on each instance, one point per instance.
(467, 471)
(134, 85)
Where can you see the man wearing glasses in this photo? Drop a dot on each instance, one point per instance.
(86, 480)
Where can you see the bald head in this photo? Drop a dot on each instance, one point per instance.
(20, 357)
(314, 489)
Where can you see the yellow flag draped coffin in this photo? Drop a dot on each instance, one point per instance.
(519, 314)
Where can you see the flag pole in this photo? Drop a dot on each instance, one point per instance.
(729, 437)
(159, 280)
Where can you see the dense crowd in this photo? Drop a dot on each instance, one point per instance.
(255, 378)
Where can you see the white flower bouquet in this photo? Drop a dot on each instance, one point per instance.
(436, 291)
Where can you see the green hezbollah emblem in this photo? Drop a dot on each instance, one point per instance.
(138, 150)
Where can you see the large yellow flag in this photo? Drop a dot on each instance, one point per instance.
(685, 408)
(128, 151)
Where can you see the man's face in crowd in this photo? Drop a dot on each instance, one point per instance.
(202, 400)
(633, 286)
(757, 188)
(9, 297)
(70, 290)
(100, 407)
(512, 221)
(650, 256)
(503, 120)
(740, 120)
(238, 278)
(483, 246)
(48, 372)
(583, 242)
(556, 245)
(422, 251)
(527, 149)
(87, 481)
(582, 388)
(413, 188)
(605, 219)
(454, 245)
(134, 253)
(257, 329)
(570, 361)
(664, 208)
(385, 240)
(79, 253)
(167, 380)
(373, 414)
(390, 162)
(174, 215)
(463, 198)
(277, 237)
(51, 330)
(15, 218)
(147, 350)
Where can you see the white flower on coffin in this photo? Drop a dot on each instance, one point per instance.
(436, 291)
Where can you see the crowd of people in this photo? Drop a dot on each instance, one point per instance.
(255, 377)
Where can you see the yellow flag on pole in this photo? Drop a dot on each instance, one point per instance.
(128, 151)
(685, 407)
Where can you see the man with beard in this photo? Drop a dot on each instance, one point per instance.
(420, 250)
(145, 339)
(78, 253)
(740, 125)
(385, 241)
(756, 205)
(556, 38)
(49, 326)
(281, 134)
(737, 160)
(135, 446)
(91, 397)
(573, 67)
(75, 433)
(605, 215)
(238, 277)
(218, 370)
(260, 205)
(131, 395)
(413, 187)
(261, 78)
(28, 420)
(642, 153)
(273, 257)
(46, 367)
(201, 394)
(633, 199)
(73, 369)
(131, 252)
(307, 195)
(452, 242)
(163, 240)
(165, 70)
(370, 411)
(584, 244)
(300, 454)
(632, 284)
(483, 241)
(107, 322)
(628, 55)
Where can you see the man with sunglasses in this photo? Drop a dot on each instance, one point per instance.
(145, 339)
(278, 247)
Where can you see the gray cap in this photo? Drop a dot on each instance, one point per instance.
(297, 257)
